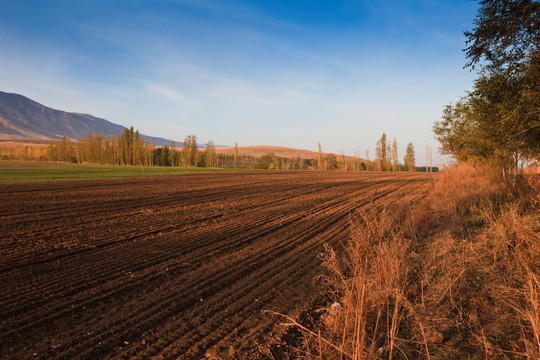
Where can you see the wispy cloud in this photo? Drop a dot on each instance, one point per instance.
(172, 95)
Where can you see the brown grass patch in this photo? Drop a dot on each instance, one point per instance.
(455, 277)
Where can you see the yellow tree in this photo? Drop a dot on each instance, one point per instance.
(186, 152)
(409, 158)
(394, 155)
(210, 154)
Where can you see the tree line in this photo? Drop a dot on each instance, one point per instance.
(130, 148)
(386, 156)
(498, 122)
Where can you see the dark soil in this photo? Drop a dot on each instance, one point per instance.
(172, 267)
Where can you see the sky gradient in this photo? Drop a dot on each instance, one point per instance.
(288, 73)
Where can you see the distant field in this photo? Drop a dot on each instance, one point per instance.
(18, 172)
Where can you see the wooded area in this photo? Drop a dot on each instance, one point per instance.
(499, 120)
(131, 149)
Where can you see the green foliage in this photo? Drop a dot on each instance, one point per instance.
(162, 156)
(16, 172)
(505, 34)
(268, 161)
(331, 162)
(499, 121)
(457, 134)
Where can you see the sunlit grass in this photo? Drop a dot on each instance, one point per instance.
(17, 172)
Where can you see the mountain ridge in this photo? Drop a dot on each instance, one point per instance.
(22, 118)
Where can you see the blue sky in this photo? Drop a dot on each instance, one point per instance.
(288, 73)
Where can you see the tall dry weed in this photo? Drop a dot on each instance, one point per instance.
(456, 198)
(455, 277)
(518, 245)
(480, 265)
(372, 280)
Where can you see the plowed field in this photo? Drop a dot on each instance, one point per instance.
(171, 267)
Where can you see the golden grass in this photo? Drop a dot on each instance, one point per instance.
(455, 277)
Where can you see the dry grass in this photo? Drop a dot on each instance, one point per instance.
(457, 277)
(372, 310)
(371, 280)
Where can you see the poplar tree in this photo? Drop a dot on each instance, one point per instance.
(381, 154)
(210, 154)
(138, 144)
(389, 159)
(378, 156)
(409, 158)
(173, 154)
(394, 155)
(193, 151)
(186, 152)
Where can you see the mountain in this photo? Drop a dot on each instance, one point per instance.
(22, 119)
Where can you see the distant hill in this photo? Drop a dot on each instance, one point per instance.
(280, 151)
(25, 119)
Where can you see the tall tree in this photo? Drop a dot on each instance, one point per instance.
(499, 120)
(505, 36)
(193, 151)
(389, 159)
(66, 149)
(394, 155)
(138, 144)
(409, 158)
(186, 152)
(210, 155)
(381, 154)
(126, 146)
(378, 156)
(165, 156)
(173, 154)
